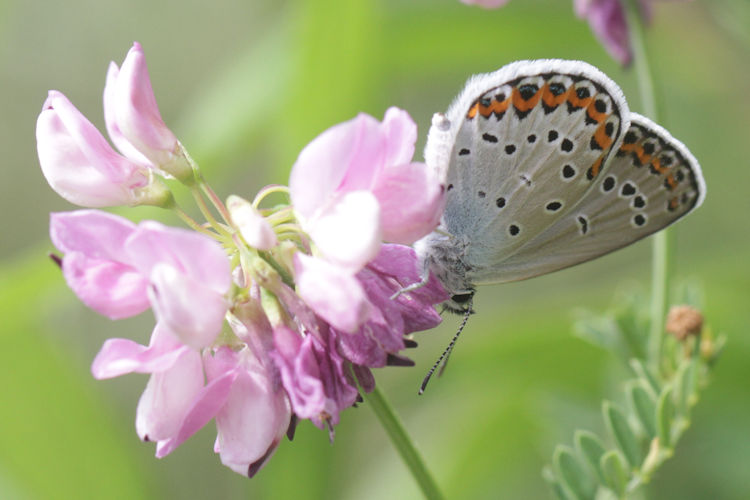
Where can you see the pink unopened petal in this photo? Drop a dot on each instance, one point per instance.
(168, 397)
(193, 312)
(78, 162)
(110, 120)
(120, 356)
(255, 229)
(332, 292)
(348, 231)
(136, 113)
(411, 202)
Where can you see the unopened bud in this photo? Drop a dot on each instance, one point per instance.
(256, 230)
(683, 321)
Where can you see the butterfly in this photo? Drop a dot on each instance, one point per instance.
(545, 167)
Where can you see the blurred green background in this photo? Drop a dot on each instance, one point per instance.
(245, 85)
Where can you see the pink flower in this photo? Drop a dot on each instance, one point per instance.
(119, 269)
(381, 337)
(81, 166)
(355, 184)
(133, 118)
(314, 375)
(96, 265)
(256, 414)
(607, 21)
(251, 409)
(176, 380)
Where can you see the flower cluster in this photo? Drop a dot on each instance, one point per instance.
(607, 20)
(263, 315)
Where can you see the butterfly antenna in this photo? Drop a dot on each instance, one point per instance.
(443, 359)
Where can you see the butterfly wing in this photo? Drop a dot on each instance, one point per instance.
(652, 181)
(520, 148)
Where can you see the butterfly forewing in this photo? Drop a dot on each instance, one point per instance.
(531, 140)
(650, 182)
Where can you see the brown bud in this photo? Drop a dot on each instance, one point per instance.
(683, 321)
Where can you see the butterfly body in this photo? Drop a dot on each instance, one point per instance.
(545, 167)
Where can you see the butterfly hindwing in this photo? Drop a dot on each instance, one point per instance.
(651, 181)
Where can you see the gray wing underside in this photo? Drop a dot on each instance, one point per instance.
(652, 181)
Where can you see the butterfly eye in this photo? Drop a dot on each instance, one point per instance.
(462, 298)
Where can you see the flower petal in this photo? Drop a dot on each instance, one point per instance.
(348, 231)
(208, 402)
(254, 419)
(136, 113)
(95, 266)
(168, 397)
(254, 228)
(193, 312)
(120, 356)
(352, 150)
(78, 162)
(333, 293)
(119, 140)
(607, 21)
(411, 202)
(193, 254)
(400, 136)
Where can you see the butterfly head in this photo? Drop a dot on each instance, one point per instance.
(460, 303)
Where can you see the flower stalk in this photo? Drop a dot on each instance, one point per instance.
(661, 247)
(403, 444)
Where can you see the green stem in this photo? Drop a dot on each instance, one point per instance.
(403, 444)
(661, 240)
(192, 223)
(206, 211)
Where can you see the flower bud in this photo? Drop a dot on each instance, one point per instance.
(132, 114)
(683, 321)
(256, 230)
(82, 167)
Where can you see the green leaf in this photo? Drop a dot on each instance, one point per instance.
(572, 473)
(646, 374)
(618, 425)
(686, 387)
(644, 405)
(615, 471)
(590, 447)
(665, 417)
(551, 480)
